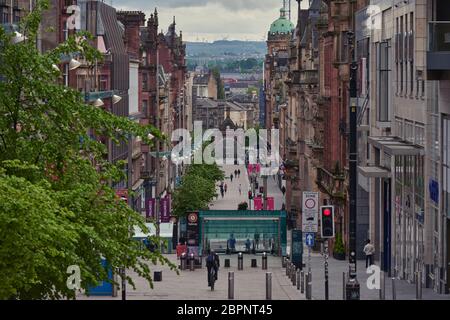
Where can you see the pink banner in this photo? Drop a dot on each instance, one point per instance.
(164, 209)
(151, 208)
(270, 204)
(258, 204)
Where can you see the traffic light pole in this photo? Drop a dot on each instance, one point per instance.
(352, 287)
(326, 254)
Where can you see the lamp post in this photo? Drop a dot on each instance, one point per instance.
(352, 286)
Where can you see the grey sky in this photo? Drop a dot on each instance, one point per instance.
(210, 20)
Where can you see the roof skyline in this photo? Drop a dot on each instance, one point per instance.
(212, 20)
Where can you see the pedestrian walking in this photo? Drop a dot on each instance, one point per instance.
(247, 245)
(240, 189)
(369, 250)
(226, 188)
(235, 173)
(283, 190)
(239, 173)
(222, 190)
(231, 177)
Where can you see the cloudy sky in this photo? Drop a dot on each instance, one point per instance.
(209, 20)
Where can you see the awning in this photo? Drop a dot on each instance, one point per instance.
(394, 146)
(165, 231)
(374, 172)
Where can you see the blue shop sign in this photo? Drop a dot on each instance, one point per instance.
(434, 191)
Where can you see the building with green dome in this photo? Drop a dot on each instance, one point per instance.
(281, 26)
(276, 67)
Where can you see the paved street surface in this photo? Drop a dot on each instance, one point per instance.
(250, 282)
(232, 198)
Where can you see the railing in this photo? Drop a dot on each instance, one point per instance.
(439, 35)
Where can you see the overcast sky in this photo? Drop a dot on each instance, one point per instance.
(209, 20)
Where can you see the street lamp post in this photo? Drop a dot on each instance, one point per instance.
(352, 286)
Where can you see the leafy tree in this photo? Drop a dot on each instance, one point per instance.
(57, 208)
(197, 189)
(195, 193)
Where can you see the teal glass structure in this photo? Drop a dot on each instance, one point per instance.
(265, 230)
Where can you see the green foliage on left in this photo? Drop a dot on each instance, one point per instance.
(57, 208)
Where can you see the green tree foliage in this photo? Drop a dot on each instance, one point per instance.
(57, 208)
(339, 244)
(249, 65)
(197, 189)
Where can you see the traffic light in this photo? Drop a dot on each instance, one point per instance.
(327, 221)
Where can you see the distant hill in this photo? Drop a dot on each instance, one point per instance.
(226, 48)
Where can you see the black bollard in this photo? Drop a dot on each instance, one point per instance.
(191, 262)
(183, 261)
(264, 261)
(240, 261)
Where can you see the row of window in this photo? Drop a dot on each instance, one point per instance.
(5, 16)
(408, 83)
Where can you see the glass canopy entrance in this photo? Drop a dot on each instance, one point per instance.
(261, 231)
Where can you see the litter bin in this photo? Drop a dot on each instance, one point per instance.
(157, 276)
(227, 263)
(352, 290)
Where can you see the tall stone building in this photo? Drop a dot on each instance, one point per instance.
(162, 77)
(276, 68)
(405, 136)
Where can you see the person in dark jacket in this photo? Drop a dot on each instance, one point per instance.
(212, 261)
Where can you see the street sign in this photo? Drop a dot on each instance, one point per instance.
(309, 239)
(310, 212)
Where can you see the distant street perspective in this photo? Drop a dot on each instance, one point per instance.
(225, 150)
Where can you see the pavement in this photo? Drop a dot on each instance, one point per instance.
(249, 284)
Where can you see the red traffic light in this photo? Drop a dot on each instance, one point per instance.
(327, 212)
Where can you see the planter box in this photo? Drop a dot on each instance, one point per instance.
(339, 256)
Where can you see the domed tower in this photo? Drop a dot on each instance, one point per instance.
(281, 31)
